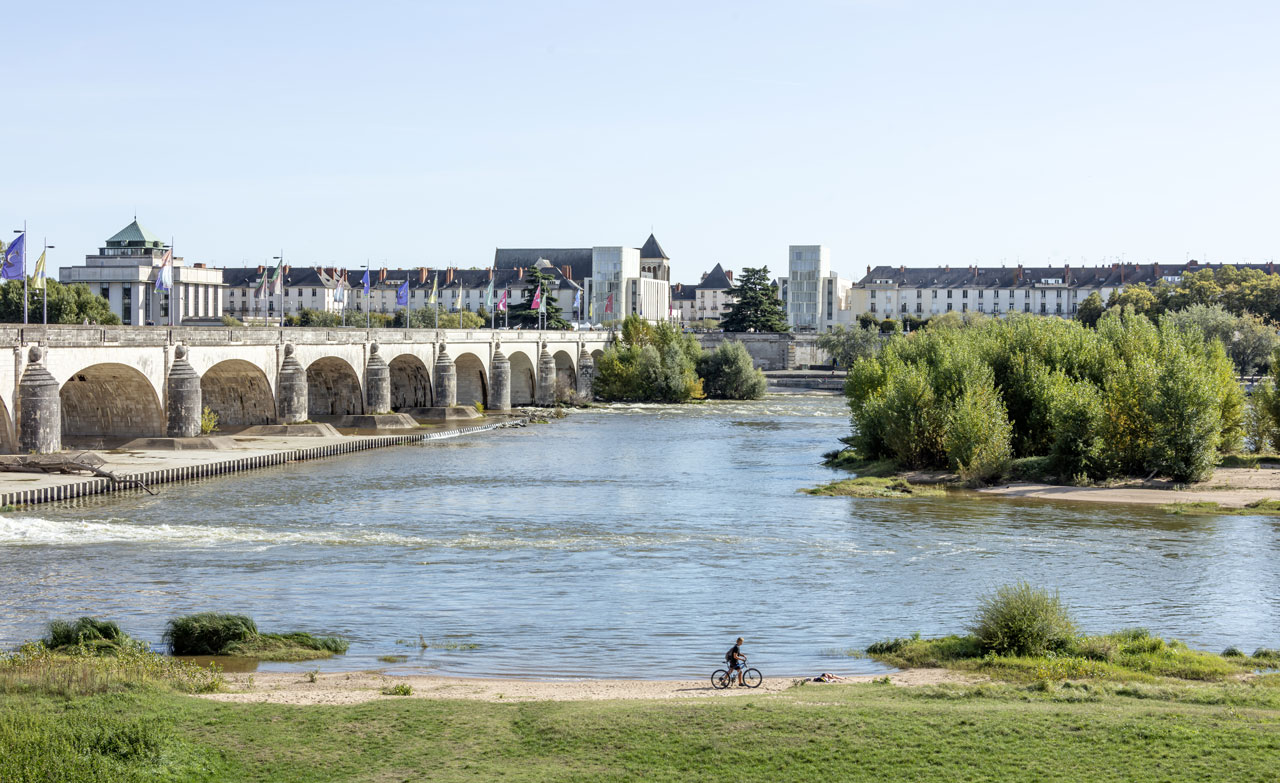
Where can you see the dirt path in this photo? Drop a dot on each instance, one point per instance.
(358, 687)
(1229, 487)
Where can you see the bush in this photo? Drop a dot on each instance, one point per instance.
(728, 373)
(1188, 417)
(208, 633)
(977, 436)
(1021, 619)
(651, 364)
(85, 633)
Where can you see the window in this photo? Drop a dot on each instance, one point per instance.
(873, 293)
(1042, 308)
(919, 307)
(964, 294)
(919, 293)
(935, 294)
(873, 307)
(979, 293)
(948, 295)
(964, 308)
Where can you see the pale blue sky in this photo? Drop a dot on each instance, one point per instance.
(430, 133)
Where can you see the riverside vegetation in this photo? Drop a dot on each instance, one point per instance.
(657, 363)
(1005, 397)
(132, 717)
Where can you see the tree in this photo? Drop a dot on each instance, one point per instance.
(73, 304)
(845, 346)
(1090, 310)
(1248, 339)
(525, 316)
(1137, 296)
(649, 364)
(728, 373)
(756, 306)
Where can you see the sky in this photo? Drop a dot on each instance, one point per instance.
(429, 133)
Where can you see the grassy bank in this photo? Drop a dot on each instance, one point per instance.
(210, 633)
(874, 487)
(810, 733)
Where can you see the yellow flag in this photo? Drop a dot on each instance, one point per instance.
(434, 282)
(38, 277)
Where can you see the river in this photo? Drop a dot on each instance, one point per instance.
(632, 541)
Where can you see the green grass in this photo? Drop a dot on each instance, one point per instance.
(848, 459)
(1096, 732)
(1253, 461)
(86, 635)
(1264, 507)
(875, 487)
(209, 633)
(1132, 655)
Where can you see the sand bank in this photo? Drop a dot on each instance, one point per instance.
(358, 687)
(1229, 487)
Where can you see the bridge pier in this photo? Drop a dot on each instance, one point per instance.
(446, 380)
(291, 389)
(546, 396)
(40, 408)
(499, 380)
(186, 401)
(377, 381)
(586, 374)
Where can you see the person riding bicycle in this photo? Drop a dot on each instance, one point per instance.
(736, 659)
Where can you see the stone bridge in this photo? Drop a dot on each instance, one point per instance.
(92, 383)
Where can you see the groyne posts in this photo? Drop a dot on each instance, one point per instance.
(39, 408)
(185, 399)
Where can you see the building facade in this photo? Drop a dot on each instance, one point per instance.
(124, 272)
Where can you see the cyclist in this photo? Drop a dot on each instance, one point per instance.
(736, 659)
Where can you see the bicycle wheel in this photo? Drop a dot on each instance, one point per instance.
(720, 679)
(753, 678)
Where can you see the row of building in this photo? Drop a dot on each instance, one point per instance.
(606, 283)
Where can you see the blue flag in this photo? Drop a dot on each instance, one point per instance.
(402, 294)
(15, 259)
(366, 282)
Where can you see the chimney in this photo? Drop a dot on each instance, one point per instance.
(704, 277)
(1066, 275)
(285, 271)
(261, 269)
(729, 274)
(975, 272)
(947, 268)
(567, 271)
(490, 273)
(902, 270)
(1270, 265)
(868, 268)
(1192, 262)
(448, 276)
(1019, 278)
(1155, 270)
(422, 275)
(197, 266)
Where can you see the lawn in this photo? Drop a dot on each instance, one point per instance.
(1098, 731)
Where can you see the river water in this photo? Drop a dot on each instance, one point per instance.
(633, 541)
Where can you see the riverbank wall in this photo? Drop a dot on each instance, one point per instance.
(772, 351)
(153, 468)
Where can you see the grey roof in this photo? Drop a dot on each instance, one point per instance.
(134, 234)
(681, 292)
(1113, 276)
(652, 249)
(419, 278)
(715, 279)
(578, 259)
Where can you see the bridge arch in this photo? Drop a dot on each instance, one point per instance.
(410, 382)
(524, 380)
(109, 401)
(596, 355)
(239, 393)
(566, 376)
(8, 430)
(473, 385)
(333, 388)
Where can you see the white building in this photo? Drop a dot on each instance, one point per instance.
(124, 273)
(816, 298)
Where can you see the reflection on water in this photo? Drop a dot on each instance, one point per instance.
(632, 541)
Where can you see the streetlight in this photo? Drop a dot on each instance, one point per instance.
(280, 266)
(23, 231)
(44, 282)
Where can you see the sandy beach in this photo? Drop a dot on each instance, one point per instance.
(1229, 487)
(357, 687)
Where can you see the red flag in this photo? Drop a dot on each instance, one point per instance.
(608, 304)
(502, 302)
(537, 299)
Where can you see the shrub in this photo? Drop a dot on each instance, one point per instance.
(977, 436)
(1077, 426)
(85, 633)
(399, 689)
(651, 364)
(728, 373)
(1187, 413)
(1232, 652)
(208, 421)
(1020, 619)
(207, 633)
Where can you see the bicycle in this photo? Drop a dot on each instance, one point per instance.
(723, 678)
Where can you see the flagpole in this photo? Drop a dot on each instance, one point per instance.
(368, 299)
(173, 289)
(45, 283)
(281, 287)
(24, 272)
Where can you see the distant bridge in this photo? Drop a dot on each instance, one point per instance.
(87, 383)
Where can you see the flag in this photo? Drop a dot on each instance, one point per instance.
(340, 291)
(488, 295)
(435, 283)
(608, 304)
(591, 308)
(502, 303)
(577, 299)
(164, 278)
(366, 282)
(38, 275)
(537, 300)
(402, 294)
(15, 259)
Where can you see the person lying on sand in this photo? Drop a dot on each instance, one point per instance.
(829, 677)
